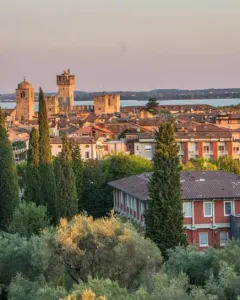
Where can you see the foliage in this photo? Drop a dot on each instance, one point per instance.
(165, 112)
(200, 165)
(32, 178)
(67, 196)
(48, 185)
(9, 189)
(89, 247)
(21, 172)
(164, 216)
(94, 185)
(229, 164)
(197, 266)
(45, 156)
(152, 106)
(22, 289)
(19, 145)
(77, 165)
(29, 219)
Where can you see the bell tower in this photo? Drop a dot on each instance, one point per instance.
(24, 101)
(66, 85)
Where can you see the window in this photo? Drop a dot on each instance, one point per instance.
(148, 147)
(235, 149)
(86, 154)
(134, 204)
(121, 197)
(203, 239)
(206, 148)
(187, 209)
(227, 208)
(128, 201)
(221, 148)
(207, 209)
(87, 146)
(223, 238)
(59, 146)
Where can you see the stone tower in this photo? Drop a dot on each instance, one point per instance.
(66, 85)
(24, 101)
(106, 104)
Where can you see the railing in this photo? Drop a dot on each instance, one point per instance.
(19, 151)
(193, 152)
(210, 152)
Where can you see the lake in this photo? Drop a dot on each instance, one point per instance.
(213, 102)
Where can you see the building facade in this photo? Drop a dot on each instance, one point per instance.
(90, 148)
(106, 104)
(66, 86)
(192, 145)
(24, 101)
(210, 200)
(52, 105)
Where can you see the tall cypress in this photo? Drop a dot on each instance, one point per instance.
(77, 165)
(68, 202)
(48, 185)
(32, 190)
(9, 190)
(164, 215)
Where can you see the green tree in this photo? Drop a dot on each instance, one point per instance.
(9, 190)
(152, 106)
(48, 185)
(29, 219)
(67, 203)
(94, 188)
(229, 164)
(96, 248)
(32, 178)
(22, 288)
(77, 165)
(164, 216)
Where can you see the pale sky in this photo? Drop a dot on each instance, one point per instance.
(120, 44)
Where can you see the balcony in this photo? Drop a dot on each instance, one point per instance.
(19, 151)
(208, 152)
(193, 152)
(222, 153)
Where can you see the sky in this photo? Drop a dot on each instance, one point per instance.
(120, 44)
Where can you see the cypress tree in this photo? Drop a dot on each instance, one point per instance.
(77, 166)
(68, 204)
(32, 190)
(9, 190)
(164, 215)
(48, 185)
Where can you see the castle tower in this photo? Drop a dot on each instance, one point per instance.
(24, 101)
(106, 104)
(66, 85)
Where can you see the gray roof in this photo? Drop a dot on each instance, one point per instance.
(194, 185)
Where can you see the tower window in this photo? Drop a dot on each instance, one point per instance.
(22, 95)
(109, 101)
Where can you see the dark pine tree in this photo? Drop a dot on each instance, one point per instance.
(68, 201)
(152, 106)
(9, 190)
(32, 189)
(94, 183)
(48, 185)
(164, 215)
(77, 165)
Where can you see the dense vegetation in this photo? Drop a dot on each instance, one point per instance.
(164, 216)
(106, 257)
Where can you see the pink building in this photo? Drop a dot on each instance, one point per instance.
(211, 204)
